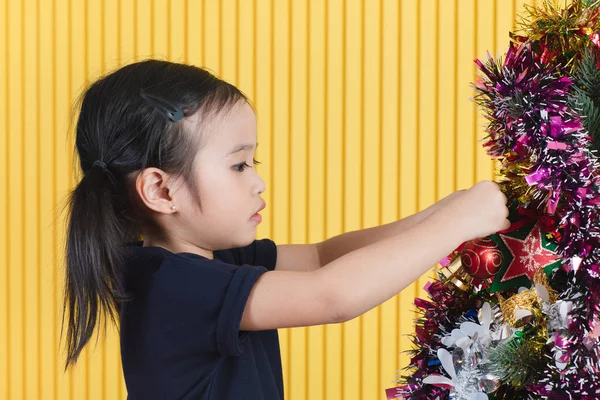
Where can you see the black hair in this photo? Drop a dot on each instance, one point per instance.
(128, 120)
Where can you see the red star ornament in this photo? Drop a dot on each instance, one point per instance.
(528, 255)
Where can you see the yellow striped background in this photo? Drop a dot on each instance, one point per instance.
(364, 117)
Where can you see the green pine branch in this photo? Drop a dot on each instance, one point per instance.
(585, 94)
(517, 362)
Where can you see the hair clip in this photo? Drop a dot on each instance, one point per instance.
(173, 112)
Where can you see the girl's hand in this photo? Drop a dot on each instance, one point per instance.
(481, 210)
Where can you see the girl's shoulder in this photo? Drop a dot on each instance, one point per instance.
(153, 259)
(261, 252)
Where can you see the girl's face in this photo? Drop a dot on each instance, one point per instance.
(229, 186)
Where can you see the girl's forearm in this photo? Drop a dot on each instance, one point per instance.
(371, 275)
(337, 246)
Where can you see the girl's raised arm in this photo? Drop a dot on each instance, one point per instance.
(362, 279)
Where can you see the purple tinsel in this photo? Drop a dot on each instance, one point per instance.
(533, 129)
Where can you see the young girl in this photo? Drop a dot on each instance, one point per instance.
(162, 229)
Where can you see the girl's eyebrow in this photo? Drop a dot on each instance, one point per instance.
(242, 147)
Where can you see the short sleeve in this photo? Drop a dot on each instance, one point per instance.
(229, 338)
(260, 253)
(197, 305)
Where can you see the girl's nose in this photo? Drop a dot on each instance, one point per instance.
(261, 185)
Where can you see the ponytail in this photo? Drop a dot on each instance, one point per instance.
(94, 253)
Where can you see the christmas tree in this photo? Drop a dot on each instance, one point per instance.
(516, 315)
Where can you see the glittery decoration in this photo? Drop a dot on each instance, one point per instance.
(527, 303)
(482, 258)
(560, 35)
(529, 255)
(456, 275)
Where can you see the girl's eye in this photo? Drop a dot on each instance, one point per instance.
(241, 167)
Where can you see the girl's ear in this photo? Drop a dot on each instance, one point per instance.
(151, 187)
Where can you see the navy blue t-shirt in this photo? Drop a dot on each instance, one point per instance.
(180, 336)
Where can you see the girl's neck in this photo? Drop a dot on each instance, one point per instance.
(178, 247)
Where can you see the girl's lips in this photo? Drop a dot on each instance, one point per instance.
(256, 217)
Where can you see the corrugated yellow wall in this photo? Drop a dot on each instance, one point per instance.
(364, 117)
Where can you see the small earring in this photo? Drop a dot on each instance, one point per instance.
(173, 207)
